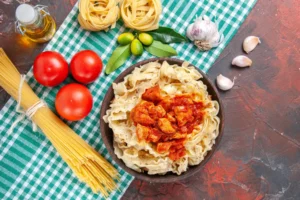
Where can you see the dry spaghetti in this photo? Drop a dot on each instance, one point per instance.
(96, 15)
(142, 15)
(84, 161)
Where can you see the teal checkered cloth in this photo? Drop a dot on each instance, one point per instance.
(30, 167)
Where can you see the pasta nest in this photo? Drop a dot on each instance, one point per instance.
(96, 15)
(142, 15)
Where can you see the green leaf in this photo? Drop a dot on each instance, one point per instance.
(160, 50)
(118, 58)
(167, 35)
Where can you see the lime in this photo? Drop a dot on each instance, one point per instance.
(146, 39)
(136, 47)
(125, 38)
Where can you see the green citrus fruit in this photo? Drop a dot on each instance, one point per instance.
(146, 39)
(136, 47)
(125, 38)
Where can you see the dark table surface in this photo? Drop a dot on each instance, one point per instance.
(259, 156)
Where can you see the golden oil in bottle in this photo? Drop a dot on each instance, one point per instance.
(35, 23)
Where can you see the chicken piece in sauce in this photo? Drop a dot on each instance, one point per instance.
(165, 126)
(166, 103)
(154, 135)
(176, 154)
(142, 132)
(179, 135)
(156, 112)
(140, 114)
(152, 94)
(182, 100)
(163, 147)
(145, 133)
(183, 114)
(171, 117)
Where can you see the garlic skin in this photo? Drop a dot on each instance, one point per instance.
(189, 32)
(224, 83)
(250, 43)
(204, 33)
(242, 61)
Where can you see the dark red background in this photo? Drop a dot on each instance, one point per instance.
(259, 156)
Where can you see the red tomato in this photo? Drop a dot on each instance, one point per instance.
(73, 102)
(86, 66)
(50, 68)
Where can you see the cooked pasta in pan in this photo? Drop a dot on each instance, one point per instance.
(163, 118)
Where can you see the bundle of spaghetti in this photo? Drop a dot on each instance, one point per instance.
(142, 15)
(96, 15)
(84, 161)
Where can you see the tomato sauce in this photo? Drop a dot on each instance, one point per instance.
(166, 121)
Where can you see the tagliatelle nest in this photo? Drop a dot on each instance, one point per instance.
(142, 15)
(96, 15)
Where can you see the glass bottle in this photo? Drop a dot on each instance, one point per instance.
(35, 22)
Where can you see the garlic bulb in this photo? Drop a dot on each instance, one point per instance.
(242, 61)
(224, 83)
(204, 33)
(250, 43)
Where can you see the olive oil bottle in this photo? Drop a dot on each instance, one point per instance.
(35, 22)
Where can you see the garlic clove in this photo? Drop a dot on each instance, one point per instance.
(250, 43)
(217, 40)
(242, 61)
(224, 83)
(189, 32)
